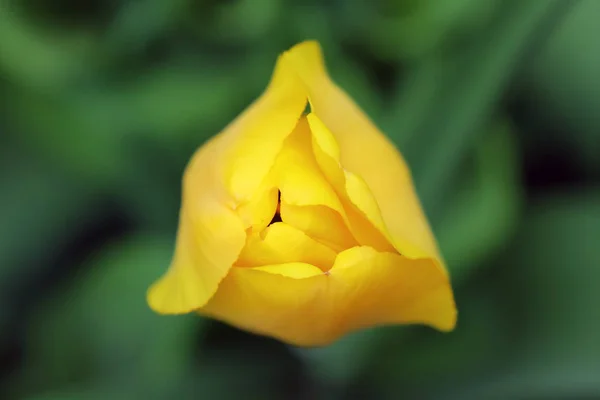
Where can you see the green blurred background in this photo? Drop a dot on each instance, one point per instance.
(494, 103)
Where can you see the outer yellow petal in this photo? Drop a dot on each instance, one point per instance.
(364, 288)
(256, 137)
(281, 243)
(209, 239)
(389, 288)
(224, 175)
(366, 152)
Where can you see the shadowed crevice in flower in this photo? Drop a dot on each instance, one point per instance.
(277, 215)
(307, 109)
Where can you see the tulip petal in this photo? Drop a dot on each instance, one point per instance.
(390, 288)
(321, 223)
(308, 201)
(294, 270)
(282, 243)
(366, 152)
(361, 209)
(364, 288)
(255, 138)
(360, 195)
(297, 174)
(209, 239)
(223, 177)
(257, 213)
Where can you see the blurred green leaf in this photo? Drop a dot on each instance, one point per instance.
(455, 111)
(82, 394)
(39, 210)
(246, 20)
(562, 83)
(554, 264)
(138, 23)
(83, 133)
(343, 360)
(426, 27)
(100, 328)
(174, 101)
(34, 57)
(484, 212)
(232, 373)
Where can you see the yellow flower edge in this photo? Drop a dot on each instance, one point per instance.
(353, 249)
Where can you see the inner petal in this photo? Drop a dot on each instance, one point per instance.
(320, 223)
(257, 214)
(297, 174)
(281, 243)
(308, 201)
(362, 213)
(296, 216)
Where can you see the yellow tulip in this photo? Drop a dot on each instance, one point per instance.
(304, 226)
